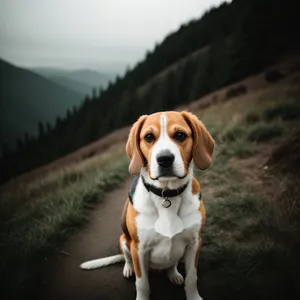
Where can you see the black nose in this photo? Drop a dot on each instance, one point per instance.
(165, 158)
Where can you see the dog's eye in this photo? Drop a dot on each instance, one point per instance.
(179, 136)
(149, 138)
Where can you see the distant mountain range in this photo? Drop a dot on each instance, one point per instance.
(80, 81)
(40, 94)
(78, 87)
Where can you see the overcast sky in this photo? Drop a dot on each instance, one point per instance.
(100, 34)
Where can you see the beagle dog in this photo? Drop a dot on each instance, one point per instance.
(164, 213)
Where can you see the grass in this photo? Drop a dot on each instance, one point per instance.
(284, 111)
(18, 194)
(264, 132)
(53, 209)
(252, 117)
(251, 241)
(232, 132)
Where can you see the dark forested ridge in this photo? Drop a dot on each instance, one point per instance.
(27, 98)
(241, 38)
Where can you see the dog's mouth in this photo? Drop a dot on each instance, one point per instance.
(167, 176)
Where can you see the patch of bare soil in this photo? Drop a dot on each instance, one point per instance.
(255, 169)
(286, 157)
(261, 171)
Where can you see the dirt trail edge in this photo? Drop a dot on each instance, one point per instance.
(61, 278)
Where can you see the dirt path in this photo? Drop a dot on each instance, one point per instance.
(62, 279)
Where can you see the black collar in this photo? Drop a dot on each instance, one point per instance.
(164, 193)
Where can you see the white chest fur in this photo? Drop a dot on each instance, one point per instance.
(165, 232)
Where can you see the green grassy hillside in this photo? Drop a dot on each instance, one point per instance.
(26, 99)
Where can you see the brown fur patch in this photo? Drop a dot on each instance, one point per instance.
(203, 145)
(135, 259)
(202, 212)
(123, 220)
(195, 186)
(133, 146)
(131, 238)
(130, 222)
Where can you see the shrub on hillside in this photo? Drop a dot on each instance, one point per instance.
(263, 132)
(232, 132)
(252, 117)
(295, 67)
(284, 111)
(273, 76)
(236, 91)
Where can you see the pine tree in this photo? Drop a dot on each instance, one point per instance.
(48, 127)
(202, 81)
(101, 91)
(94, 94)
(20, 145)
(74, 110)
(26, 138)
(171, 95)
(58, 122)
(244, 58)
(68, 115)
(5, 151)
(41, 129)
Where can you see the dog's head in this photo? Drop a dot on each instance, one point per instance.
(166, 143)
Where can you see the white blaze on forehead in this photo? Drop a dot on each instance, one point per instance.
(163, 126)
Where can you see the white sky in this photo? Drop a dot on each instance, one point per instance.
(100, 34)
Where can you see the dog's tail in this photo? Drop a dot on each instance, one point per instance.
(102, 262)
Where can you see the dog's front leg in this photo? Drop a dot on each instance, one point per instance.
(140, 260)
(191, 261)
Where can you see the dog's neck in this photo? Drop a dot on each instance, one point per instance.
(168, 223)
(169, 184)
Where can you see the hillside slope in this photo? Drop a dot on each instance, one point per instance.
(26, 99)
(117, 138)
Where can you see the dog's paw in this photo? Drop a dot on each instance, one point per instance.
(175, 277)
(127, 270)
(198, 297)
(195, 296)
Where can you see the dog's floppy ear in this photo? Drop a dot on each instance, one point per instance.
(133, 146)
(204, 144)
